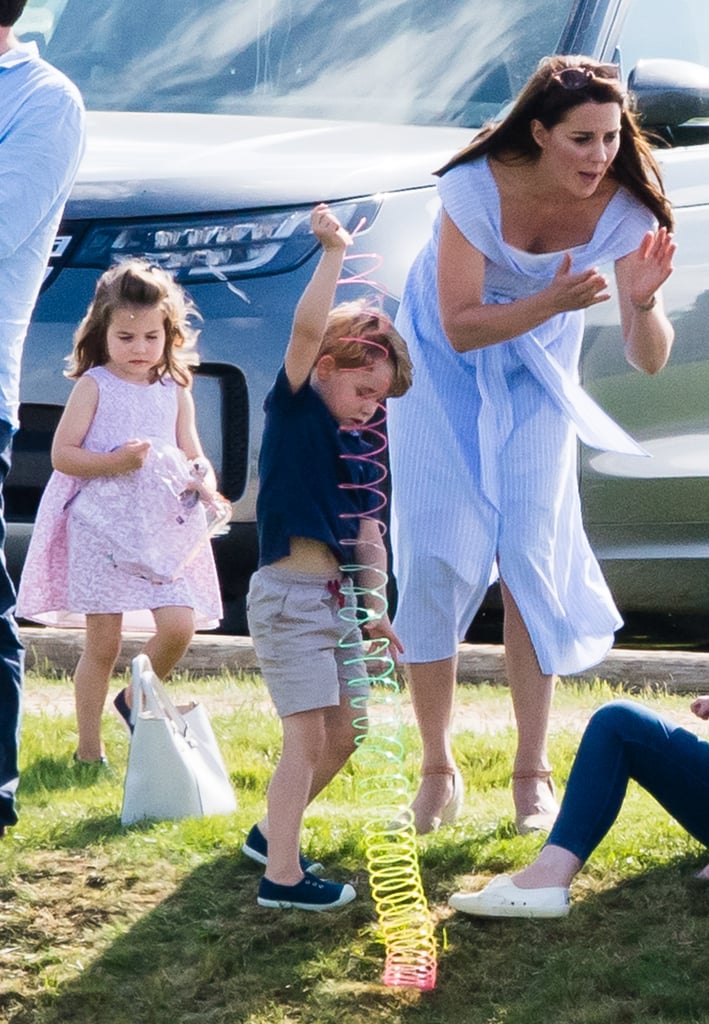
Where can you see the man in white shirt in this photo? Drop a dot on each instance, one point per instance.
(41, 143)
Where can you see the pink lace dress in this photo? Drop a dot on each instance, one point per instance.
(129, 543)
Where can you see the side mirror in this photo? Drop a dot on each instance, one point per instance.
(668, 93)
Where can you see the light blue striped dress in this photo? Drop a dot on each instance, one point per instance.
(484, 448)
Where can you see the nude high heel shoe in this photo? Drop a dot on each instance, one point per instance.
(450, 810)
(540, 814)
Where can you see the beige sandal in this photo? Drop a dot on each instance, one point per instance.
(541, 818)
(451, 809)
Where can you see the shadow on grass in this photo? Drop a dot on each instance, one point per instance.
(87, 832)
(633, 954)
(60, 774)
(208, 954)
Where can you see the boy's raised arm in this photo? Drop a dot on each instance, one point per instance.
(316, 301)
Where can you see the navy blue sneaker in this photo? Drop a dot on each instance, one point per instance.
(121, 705)
(256, 847)
(310, 893)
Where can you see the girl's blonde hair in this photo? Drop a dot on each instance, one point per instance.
(358, 334)
(138, 283)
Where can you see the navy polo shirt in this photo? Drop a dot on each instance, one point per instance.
(315, 479)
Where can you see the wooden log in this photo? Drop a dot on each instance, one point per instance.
(58, 650)
(675, 671)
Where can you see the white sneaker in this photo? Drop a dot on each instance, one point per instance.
(502, 898)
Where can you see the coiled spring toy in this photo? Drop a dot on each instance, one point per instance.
(390, 841)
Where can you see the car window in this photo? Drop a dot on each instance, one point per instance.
(448, 62)
(656, 28)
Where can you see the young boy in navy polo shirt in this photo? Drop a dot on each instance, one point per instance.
(316, 512)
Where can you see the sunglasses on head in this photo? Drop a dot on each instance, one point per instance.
(581, 76)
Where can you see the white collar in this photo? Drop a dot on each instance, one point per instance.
(19, 54)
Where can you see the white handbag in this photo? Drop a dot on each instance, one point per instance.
(175, 768)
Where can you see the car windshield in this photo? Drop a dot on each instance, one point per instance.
(428, 62)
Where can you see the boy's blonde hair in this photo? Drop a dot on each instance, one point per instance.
(138, 283)
(358, 334)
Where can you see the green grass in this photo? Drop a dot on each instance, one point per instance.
(158, 923)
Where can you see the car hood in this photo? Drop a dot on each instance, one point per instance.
(147, 164)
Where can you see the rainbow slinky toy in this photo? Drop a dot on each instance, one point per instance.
(390, 841)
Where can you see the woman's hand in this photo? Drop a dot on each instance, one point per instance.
(575, 291)
(650, 266)
(647, 332)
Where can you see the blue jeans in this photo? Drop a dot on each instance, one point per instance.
(11, 659)
(624, 740)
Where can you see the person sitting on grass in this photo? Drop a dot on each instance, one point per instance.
(623, 740)
(316, 511)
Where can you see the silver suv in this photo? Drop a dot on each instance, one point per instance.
(215, 125)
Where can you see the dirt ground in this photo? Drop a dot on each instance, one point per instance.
(484, 715)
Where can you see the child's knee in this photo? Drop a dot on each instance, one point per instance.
(105, 649)
(181, 635)
(175, 630)
(350, 735)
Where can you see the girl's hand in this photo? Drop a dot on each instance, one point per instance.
(700, 707)
(327, 228)
(576, 291)
(650, 265)
(130, 456)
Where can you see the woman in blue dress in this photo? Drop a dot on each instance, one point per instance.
(483, 446)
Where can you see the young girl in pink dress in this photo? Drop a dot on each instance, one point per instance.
(121, 529)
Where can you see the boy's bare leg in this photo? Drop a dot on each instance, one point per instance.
(338, 746)
(304, 740)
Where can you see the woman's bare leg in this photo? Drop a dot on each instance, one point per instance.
(554, 866)
(532, 692)
(432, 688)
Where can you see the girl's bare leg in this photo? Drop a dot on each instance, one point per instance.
(91, 681)
(174, 631)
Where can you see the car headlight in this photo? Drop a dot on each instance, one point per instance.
(223, 246)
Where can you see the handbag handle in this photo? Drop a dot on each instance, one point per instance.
(149, 691)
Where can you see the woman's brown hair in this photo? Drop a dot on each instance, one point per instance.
(547, 99)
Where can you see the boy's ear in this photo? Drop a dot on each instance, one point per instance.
(325, 366)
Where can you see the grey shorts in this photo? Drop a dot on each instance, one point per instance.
(306, 638)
